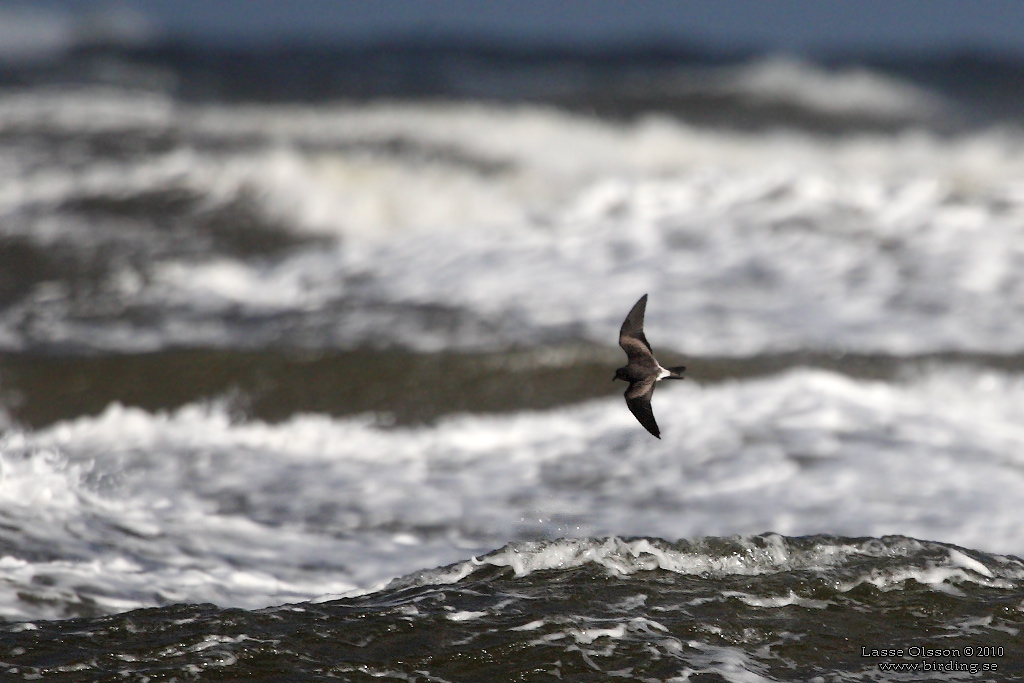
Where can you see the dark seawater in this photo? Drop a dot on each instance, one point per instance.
(741, 609)
(305, 362)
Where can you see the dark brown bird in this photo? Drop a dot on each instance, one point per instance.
(642, 370)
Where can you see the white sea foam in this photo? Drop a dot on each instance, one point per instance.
(731, 663)
(747, 557)
(777, 600)
(131, 508)
(851, 91)
(514, 217)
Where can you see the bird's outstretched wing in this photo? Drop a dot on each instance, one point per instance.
(638, 399)
(631, 334)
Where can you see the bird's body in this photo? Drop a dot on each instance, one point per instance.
(642, 370)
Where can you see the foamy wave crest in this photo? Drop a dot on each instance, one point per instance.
(851, 91)
(735, 263)
(439, 226)
(73, 546)
(885, 563)
(194, 505)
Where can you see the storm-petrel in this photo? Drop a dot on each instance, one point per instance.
(643, 370)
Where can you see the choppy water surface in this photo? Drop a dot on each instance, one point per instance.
(265, 365)
(743, 609)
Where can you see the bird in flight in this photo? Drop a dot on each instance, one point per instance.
(642, 369)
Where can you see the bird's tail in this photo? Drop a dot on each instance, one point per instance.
(676, 372)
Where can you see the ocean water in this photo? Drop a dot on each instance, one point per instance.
(307, 387)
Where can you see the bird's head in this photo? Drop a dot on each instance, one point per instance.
(620, 374)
